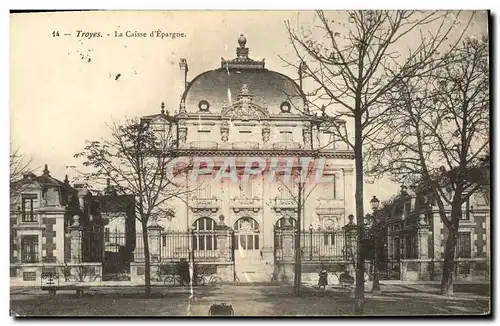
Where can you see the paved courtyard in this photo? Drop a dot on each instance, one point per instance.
(248, 300)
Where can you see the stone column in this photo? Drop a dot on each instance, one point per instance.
(154, 234)
(423, 238)
(223, 239)
(224, 254)
(76, 232)
(423, 249)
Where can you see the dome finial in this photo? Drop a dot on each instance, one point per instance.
(162, 107)
(242, 40)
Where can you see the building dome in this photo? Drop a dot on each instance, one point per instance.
(215, 89)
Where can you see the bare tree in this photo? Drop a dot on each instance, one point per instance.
(353, 59)
(139, 158)
(299, 190)
(19, 166)
(438, 136)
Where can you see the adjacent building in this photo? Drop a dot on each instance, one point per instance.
(416, 237)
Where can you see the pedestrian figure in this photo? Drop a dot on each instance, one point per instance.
(183, 271)
(323, 278)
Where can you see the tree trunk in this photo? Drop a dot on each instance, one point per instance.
(449, 251)
(147, 261)
(298, 260)
(360, 262)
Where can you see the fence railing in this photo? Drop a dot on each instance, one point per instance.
(174, 245)
(316, 245)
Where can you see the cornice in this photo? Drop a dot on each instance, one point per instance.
(338, 154)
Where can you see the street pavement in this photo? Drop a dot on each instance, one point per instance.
(252, 300)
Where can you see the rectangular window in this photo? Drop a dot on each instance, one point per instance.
(27, 207)
(29, 276)
(329, 140)
(256, 241)
(246, 189)
(29, 245)
(243, 242)
(287, 186)
(201, 242)
(209, 242)
(329, 191)
(466, 211)
(329, 239)
(164, 240)
(204, 191)
(464, 245)
(106, 235)
(249, 242)
(286, 136)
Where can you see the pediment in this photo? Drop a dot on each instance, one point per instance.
(244, 111)
(244, 108)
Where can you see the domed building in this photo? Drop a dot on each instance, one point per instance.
(231, 118)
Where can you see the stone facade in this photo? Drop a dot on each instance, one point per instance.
(244, 111)
(416, 238)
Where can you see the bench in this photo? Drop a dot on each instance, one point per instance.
(50, 283)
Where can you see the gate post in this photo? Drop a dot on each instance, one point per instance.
(287, 234)
(222, 238)
(351, 244)
(423, 238)
(154, 234)
(76, 232)
(224, 254)
(423, 266)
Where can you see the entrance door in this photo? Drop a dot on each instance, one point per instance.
(247, 258)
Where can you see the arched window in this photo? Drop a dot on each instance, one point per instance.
(246, 231)
(278, 238)
(204, 237)
(282, 221)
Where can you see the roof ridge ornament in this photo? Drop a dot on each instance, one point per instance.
(242, 61)
(46, 171)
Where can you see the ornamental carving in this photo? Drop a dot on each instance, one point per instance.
(331, 222)
(330, 207)
(224, 131)
(204, 205)
(280, 204)
(182, 132)
(243, 204)
(244, 108)
(306, 135)
(265, 132)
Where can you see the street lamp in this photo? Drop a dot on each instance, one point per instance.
(193, 228)
(375, 203)
(310, 242)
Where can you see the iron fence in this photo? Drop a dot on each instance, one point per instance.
(316, 245)
(175, 245)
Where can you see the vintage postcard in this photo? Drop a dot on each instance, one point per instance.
(250, 163)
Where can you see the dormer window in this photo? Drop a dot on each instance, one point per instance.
(204, 106)
(28, 203)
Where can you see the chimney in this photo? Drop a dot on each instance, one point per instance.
(46, 171)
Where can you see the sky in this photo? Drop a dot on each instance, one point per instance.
(64, 89)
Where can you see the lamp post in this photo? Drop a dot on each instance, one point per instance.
(193, 228)
(310, 241)
(374, 202)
